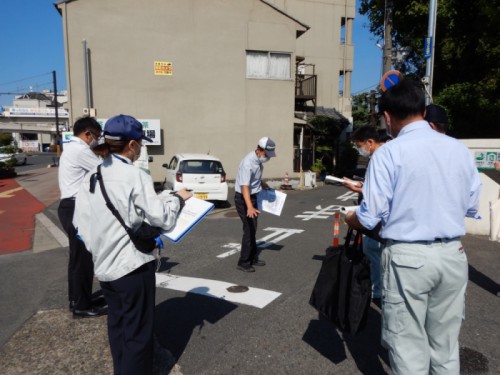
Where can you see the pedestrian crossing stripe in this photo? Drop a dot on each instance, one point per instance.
(256, 297)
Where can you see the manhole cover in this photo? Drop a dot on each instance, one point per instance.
(231, 214)
(237, 289)
(472, 362)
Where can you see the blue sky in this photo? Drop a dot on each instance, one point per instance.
(32, 47)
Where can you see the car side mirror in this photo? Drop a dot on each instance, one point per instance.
(150, 159)
(165, 165)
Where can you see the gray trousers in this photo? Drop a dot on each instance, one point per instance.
(423, 305)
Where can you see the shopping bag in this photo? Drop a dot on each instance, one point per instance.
(342, 291)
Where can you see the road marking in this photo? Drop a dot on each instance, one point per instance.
(320, 213)
(8, 193)
(216, 289)
(277, 235)
(348, 195)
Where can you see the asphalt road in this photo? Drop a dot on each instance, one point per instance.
(37, 160)
(210, 335)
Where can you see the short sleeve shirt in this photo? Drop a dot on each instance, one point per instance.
(249, 174)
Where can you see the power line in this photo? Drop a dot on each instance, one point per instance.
(365, 89)
(24, 79)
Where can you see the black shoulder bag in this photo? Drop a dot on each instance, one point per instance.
(143, 238)
(342, 291)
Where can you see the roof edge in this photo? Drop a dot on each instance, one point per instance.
(307, 27)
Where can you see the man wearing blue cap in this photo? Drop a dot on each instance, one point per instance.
(247, 186)
(127, 275)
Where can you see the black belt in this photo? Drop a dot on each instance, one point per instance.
(428, 241)
(251, 195)
(69, 199)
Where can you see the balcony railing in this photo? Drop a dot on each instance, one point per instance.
(305, 87)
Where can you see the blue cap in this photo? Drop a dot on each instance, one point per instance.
(124, 128)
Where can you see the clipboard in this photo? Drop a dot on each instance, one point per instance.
(271, 201)
(193, 211)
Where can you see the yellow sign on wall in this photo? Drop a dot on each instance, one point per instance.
(163, 68)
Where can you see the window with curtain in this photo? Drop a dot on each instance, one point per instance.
(268, 65)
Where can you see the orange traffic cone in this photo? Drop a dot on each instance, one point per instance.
(336, 229)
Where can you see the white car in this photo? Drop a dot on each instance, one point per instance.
(201, 173)
(20, 156)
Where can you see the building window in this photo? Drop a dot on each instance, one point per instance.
(342, 30)
(268, 65)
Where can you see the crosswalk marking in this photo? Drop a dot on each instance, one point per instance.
(320, 213)
(277, 235)
(216, 289)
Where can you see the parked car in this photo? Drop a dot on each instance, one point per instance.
(201, 173)
(6, 155)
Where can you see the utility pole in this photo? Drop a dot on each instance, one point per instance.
(387, 57)
(429, 50)
(58, 135)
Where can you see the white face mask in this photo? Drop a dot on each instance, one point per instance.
(363, 152)
(264, 159)
(93, 143)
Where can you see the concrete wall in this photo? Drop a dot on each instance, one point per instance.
(208, 104)
(490, 191)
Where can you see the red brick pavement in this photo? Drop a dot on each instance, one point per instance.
(17, 217)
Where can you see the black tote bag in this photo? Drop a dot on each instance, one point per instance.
(342, 291)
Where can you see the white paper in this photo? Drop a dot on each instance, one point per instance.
(341, 180)
(271, 201)
(192, 212)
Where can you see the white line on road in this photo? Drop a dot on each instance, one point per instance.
(216, 289)
(321, 213)
(277, 235)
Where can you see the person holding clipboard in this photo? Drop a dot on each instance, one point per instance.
(126, 275)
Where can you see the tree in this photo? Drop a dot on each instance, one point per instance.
(467, 54)
(6, 139)
(327, 132)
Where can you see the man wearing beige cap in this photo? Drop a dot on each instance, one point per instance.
(247, 186)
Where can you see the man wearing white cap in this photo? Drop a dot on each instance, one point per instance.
(247, 186)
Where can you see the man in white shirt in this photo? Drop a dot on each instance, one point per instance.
(76, 160)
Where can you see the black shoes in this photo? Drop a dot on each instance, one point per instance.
(99, 307)
(90, 313)
(249, 268)
(245, 268)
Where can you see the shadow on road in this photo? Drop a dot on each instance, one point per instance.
(364, 347)
(184, 316)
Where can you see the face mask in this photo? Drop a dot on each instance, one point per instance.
(363, 152)
(93, 143)
(136, 154)
(264, 159)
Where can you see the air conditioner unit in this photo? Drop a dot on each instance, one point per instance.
(89, 112)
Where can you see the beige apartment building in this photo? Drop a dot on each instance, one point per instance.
(208, 75)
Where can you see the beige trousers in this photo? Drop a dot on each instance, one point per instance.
(423, 305)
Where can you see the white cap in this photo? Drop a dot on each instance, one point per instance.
(268, 146)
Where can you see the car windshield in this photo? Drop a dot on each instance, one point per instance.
(201, 166)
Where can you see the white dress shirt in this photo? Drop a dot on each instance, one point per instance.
(76, 160)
